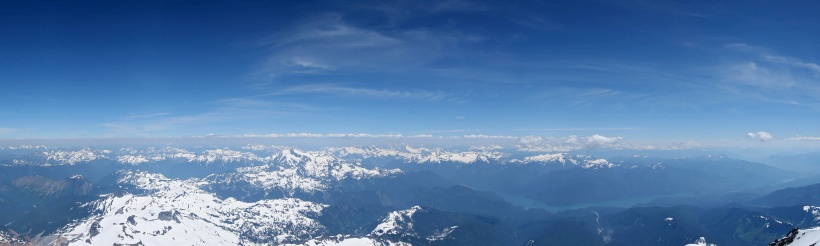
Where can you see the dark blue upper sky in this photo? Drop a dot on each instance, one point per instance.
(646, 70)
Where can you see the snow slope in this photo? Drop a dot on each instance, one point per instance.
(804, 237)
(397, 223)
(419, 155)
(297, 171)
(350, 242)
(63, 157)
(701, 242)
(807, 237)
(177, 212)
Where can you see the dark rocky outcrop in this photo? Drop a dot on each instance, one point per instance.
(169, 216)
(95, 229)
(789, 238)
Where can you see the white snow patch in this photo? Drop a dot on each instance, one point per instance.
(349, 242)
(294, 170)
(177, 212)
(806, 237)
(63, 157)
(814, 210)
(397, 223)
(701, 242)
(598, 163)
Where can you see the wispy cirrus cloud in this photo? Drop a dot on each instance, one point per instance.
(763, 74)
(147, 116)
(321, 135)
(171, 122)
(592, 97)
(340, 43)
(793, 62)
(804, 139)
(370, 135)
(253, 102)
(581, 129)
(757, 75)
(224, 111)
(452, 130)
(334, 89)
(329, 44)
(482, 136)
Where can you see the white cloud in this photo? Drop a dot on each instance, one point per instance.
(488, 136)
(365, 135)
(225, 110)
(364, 92)
(743, 47)
(573, 142)
(368, 135)
(760, 136)
(327, 44)
(330, 135)
(794, 62)
(453, 130)
(530, 140)
(591, 141)
(762, 74)
(804, 138)
(598, 140)
(581, 129)
(588, 97)
(755, 74)
(146, 116)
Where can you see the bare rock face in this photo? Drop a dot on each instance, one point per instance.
(11, 238)
(95, 229)
(131, 220)
(169, 216)
(129, 244)
(789, 238)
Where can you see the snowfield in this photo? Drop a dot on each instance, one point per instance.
(177, 212)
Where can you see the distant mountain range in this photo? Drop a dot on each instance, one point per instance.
(263, 194)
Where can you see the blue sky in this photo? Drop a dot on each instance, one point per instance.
(641, 70)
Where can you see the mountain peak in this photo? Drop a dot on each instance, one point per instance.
(397, 223)
(701, 242)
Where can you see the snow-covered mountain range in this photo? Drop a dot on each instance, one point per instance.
(260, 194)
(293, 171)
(169, 211)
(164, 211)
(800, 237)
(249, 155)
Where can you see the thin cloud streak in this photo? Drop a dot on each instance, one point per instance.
(327, 44)
(768, 76)
(794, 62)
(581, 129)
(366, 92)
(804, 139)
(228, 110)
